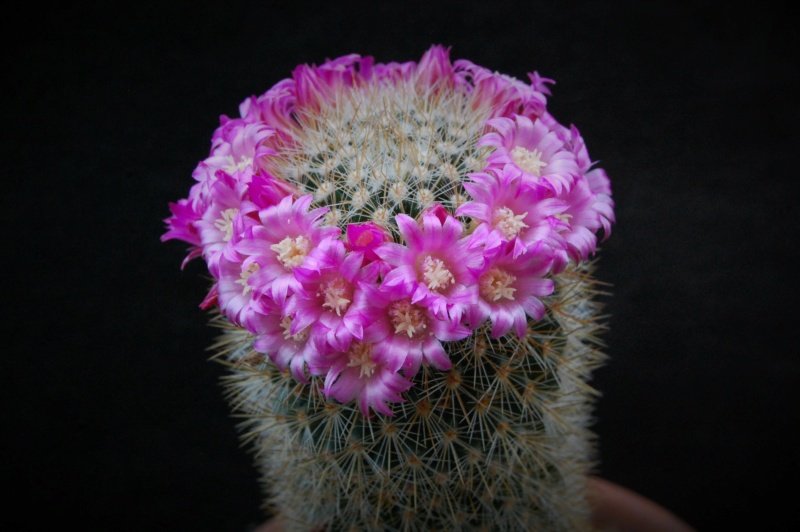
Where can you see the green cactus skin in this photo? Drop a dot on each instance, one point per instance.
(500, 442)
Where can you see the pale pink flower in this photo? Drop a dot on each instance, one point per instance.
(534, 148)
(504, 95)
(515, 210)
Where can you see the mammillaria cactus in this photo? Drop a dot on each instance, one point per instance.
(402, 257)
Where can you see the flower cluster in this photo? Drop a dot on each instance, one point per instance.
(357, 217)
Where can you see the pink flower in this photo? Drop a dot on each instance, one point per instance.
(181, 226)
(510, 288)
(582, 220)
(598, 181)
(239, 146)
(356, 374)
(326, 300)
(434, 69)
(286, 234)
(435, 266)
(504, 95)
(216, 227)
(406, 334)
(317, 86)
(369, 308)
(274, 108)
(234, 293)
(285, 345)
(533, 148)
(365, 238)
(515, 210)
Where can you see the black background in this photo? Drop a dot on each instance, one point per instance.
(113, 416)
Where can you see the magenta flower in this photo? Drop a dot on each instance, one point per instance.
(234, 293)
(285, 345)
(365, 238)
(286, 234)
(511, 287)
(406, 334)
(533, 148)
(435, 266)
(238, 148)
(294, 206)
(216, 227)
(582, 219)
(504, 95)
(181, 226)
(326, 300)
(598, 181)
(356, 374)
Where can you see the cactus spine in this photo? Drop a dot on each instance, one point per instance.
(500, 442)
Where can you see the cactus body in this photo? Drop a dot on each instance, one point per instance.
(500, 442)
(462, 401)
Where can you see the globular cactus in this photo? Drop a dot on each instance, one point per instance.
(403, 266)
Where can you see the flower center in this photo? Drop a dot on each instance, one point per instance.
(245, 275)
(508, 223)
(286, 325)
(407, 318)
(496, 284)
(232, 167)
(334, 292)
(225, 224)
(361, 357)
(530, 161)
(436, 273)
(564, 217)
(292, 251)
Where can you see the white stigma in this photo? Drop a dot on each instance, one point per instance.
(245, 275)
(496, 284)
(286, 325)
(292, 251)
(334, 293)
(407, 318)
(529, 161)
(508, 223)
(361, 357)
(436, 273)
(564, 217)
(232, 167)
(225, 224)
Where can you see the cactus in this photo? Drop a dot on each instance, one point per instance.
(403, 259)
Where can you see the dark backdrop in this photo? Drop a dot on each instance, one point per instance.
(113, 415)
